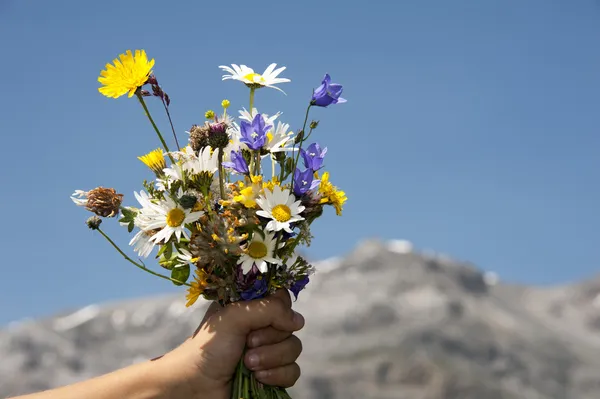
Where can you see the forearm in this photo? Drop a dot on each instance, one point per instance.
(141, 381)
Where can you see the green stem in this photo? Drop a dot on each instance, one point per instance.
(221, 177)
(137, 264)
(300, 146)
(162, 140)
(252, 89)
(257, 163)
(171, 123)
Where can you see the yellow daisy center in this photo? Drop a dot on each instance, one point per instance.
(175, 217)
(257, 250)
(252, 76)
(281, 213)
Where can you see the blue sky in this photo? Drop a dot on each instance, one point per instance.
(471, 128)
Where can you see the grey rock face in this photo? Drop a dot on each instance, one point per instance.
(383, 322)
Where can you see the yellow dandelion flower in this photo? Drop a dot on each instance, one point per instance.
(155, 160)
(331, 194)
(246, 197)
(225, 103)
(249, 194)
(197, 287)
(128, 73)
(272, 183)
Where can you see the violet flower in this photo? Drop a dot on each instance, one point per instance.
(304, 181)
(257, 290)
(299, 286)
(313, 156)
(238, 163)
(254, 134)
(327, 93)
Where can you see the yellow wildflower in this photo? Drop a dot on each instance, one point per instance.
(210, 114)
(272, 183)
(128, 73)
(331, 194)
(249, 194)
(197, 287)
(225, 103)
(155, 160)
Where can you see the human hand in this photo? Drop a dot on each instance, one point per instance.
(203, 366)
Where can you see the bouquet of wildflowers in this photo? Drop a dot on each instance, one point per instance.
(226, 212)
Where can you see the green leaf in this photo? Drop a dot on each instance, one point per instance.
(166, 249)
(180, 273)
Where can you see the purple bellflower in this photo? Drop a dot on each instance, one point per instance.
(313, 156)
(327, 93)
(238, 163)
(257, 290)
(299, 286)
(254, 134)
(304, 181)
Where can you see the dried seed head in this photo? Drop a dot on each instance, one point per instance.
(104, 202)
(199, 137)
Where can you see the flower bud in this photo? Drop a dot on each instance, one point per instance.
(188, 201)
(314, 124)
(299, 137)
(152, 80)
(217, 135)
(93, 222)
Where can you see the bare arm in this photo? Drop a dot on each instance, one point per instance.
(202, 367)
(141, 381)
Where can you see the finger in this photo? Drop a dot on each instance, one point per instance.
(272, 356)
(284, 295)
(285, 376)
(244, 317)
(266, 336)
(212, 309)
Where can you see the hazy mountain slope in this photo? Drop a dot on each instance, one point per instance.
(383, 322)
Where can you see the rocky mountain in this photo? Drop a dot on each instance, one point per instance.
(383, 322)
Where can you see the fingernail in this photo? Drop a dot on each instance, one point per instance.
(255, 341)
(253, 361)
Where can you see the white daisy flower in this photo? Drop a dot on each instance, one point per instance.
(166, 215)
(142, 244)
(203, 162)
(280, 206)
(144, 214)
(185, 256)
(247, 76)
(249, 117)
(259, 252)
(172, 173)
(280, 138)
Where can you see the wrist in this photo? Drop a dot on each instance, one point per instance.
(175, 376)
